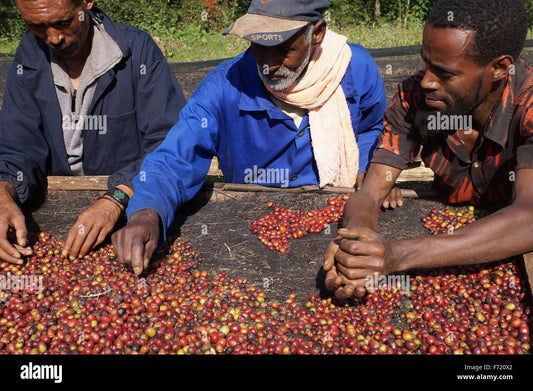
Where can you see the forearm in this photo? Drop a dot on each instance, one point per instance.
(362, 208)
(496, 237)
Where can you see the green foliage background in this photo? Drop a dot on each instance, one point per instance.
(178, 18)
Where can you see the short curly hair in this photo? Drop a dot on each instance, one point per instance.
(500, 26)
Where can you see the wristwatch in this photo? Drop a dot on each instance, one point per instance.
(119, 196)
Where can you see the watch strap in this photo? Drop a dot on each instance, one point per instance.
(119, 196)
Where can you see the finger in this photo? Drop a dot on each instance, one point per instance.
(360, 233)
(8, 253)
(360, 292)
(394, 199)
(149, 250)
(357, 248)
(351, 289)
(122, 249)
(102, 236)
(329, 259)
(70, 239)
(19, 224)
(81, 235)
(333, 281)
(345, 292)
(137, 256)
(399, 197)
(25, 251)
(89, 242)
(354, 274)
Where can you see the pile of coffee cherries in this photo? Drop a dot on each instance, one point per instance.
(276, 229)
(448, 220)
(95, 305)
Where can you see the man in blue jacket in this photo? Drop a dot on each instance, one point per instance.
(300, 107)
(84, 96)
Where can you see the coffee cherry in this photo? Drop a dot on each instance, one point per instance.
(94, 305)
(276, 229)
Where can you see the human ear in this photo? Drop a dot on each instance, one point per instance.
(89, 4)
(501, 67)
(319, 31)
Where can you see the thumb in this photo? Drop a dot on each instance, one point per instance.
(362, 234)
(329, 259)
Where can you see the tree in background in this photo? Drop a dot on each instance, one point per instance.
(176, 18)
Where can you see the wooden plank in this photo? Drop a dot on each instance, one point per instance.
(240, 187)
(77, 183)
(100, 183)
(418, 174)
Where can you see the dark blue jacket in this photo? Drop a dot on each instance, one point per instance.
(231, 116)
(140, 98)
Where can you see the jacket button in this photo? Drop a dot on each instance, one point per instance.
(301, 133)
(294, 177)
(476, 164)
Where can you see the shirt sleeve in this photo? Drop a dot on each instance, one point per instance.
(399, 142)
(23, 148)
(159, 100)
(524, 152)
(173, 173)
(372, 105)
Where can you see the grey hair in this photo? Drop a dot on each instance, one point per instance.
(308, 33)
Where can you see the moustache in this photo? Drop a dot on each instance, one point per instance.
(433, 96)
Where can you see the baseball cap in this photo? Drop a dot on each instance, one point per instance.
(272, 22)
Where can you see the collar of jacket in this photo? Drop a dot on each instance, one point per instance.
(33, 53)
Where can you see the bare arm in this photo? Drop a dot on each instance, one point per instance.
(362, 208)
(506, 233)
(499, 236)
(361, 213)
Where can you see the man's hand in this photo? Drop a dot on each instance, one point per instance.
(12, 217)
(357, 253)
(92, 227)
(136, 243)
(335, 281)
(394, 199)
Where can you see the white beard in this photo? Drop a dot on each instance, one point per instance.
(288, 77)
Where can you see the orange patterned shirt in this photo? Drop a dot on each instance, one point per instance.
(487, 175)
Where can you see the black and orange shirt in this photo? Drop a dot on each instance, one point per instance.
(505, 145)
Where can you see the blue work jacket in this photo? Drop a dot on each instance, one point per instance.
(231, 116)
(140, 99)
